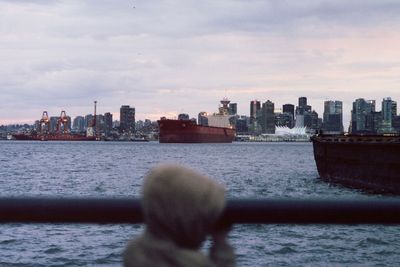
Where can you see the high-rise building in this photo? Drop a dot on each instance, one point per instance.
(396, 124)
(388, 108)
(268, 117)
(89, 121)
(78, 124)
(303, 113)
(302, 107)
(288, 108)
(362, 118)
(127, 119)
(333, 117)
(53, 124)
(242, 124)
(232, 109)
(255, 108)
(315, 123)
(108, 123)
(394, 109)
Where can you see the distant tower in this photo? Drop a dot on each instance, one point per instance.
(255, 108)
(387, 114)
(232, 108)
(108, 122)
(127, 119)
(364, 119)
(268, 117)
(333, 117)
(289, 109)
(302, 107)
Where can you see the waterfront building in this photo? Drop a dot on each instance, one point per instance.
(127, 119)
(100, 124)
(108, 123)
(242, 123)
(315, 122)
(333, 117)
(53, 124)
(303, 107)
(139, 125)
(303, 113)
(394, 109)
(362, 117)
(78, 124)
(89, 121)
(388, 108)
(396, 124)
(255, 108)
(289, 108)
(308, 119)
(268, 117)
(232, 109)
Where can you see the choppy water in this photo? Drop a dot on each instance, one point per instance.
(256, 170)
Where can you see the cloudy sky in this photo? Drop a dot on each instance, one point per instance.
(168, 57)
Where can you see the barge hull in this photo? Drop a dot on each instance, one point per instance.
(370, 163)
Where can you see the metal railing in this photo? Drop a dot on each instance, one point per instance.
(265, 211)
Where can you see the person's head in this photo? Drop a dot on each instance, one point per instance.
(181, 205)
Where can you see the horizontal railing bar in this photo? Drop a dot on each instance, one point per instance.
(265, 211)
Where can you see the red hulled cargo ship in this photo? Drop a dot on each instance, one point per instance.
(215, 128)
(187, 131)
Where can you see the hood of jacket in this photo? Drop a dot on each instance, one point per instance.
(181, 205)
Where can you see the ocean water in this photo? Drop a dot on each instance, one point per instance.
(116, 169)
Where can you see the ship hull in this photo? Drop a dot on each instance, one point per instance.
(186, 131)
(369, 162)
(54, 137)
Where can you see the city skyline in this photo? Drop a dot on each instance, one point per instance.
(278, 108)
(165, 58)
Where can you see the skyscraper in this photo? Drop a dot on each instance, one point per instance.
(255, 108)
(289, 109)
(302, 107)
(108, 123)
(362, 116)
(127, 119)
(268, 117)
(388, 108)
(232, 109)
(333, 117)
(303, 113)
(79, 124)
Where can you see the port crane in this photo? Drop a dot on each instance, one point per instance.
(62, 123)
(44, 123)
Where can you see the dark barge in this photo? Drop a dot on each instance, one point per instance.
(366, 162)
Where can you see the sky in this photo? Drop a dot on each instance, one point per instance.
(170, 57)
